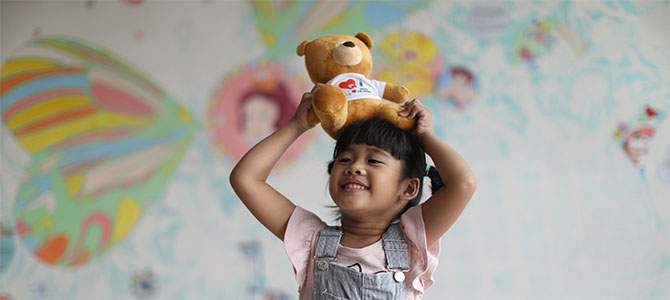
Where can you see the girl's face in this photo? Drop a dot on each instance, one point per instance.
(368, 181)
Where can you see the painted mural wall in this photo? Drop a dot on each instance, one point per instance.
(121, 120)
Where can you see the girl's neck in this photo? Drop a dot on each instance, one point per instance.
(358, 235)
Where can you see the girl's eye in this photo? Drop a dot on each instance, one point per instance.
(344, 160)
(373, 161)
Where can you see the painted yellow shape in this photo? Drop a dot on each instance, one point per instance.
(19, 65)
(47, 109)
(184, 115)
(74, 184)
(41, 139)
(46, 223)
(127, 214)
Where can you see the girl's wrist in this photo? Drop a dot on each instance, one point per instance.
(425, 138)
(297, 125)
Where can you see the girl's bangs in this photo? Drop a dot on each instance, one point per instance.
(376, 133)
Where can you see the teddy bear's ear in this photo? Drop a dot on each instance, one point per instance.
(301, 48)
(365, 38)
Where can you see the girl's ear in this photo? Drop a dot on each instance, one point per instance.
(411, 189)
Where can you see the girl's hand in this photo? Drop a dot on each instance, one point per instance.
(424, 123)
(301, 116)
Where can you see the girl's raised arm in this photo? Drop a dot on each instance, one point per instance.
(249, 176)
(445, 206)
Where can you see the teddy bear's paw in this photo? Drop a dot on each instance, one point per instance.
(405, 123)
(312, 118)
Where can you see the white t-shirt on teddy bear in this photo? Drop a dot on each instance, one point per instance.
(357, 86)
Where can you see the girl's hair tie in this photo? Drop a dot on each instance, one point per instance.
(427, 170)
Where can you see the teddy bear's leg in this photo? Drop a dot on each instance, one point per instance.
(330, 105)
(389, 112)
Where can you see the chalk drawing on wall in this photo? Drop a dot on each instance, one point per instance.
(535, 40)
(103, 141)
(143, 284)
(411, 59)
(459, 86)
(284, 24)
(251, 103)
(635, 136)
(256, 282)
(540, 37)
(7, 246)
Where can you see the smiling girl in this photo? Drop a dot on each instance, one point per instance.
(387, 245)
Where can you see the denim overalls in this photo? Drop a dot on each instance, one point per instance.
(333, 281)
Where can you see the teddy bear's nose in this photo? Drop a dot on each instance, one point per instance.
(349, 44)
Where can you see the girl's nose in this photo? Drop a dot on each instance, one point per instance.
(354, 170)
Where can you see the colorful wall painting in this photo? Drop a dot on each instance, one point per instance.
(103, 139)
(567, 212)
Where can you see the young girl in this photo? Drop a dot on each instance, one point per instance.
(386, 247)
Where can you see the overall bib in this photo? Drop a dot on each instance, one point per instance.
(332, 281)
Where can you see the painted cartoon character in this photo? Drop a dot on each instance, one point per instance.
(264, 109)
(636, 143)
(459, 86)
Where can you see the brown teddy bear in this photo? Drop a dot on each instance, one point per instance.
(343, 63)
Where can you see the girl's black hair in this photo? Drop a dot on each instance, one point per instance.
(399, 143)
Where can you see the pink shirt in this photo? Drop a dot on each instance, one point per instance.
(302, 233)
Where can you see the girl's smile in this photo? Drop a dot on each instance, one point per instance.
(353, 185)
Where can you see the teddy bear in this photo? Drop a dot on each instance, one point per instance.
(342, 63)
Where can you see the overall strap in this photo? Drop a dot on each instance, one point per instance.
(328, 242)
(395, 248)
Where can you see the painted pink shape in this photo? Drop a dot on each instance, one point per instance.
(105, 224)
(120, 101)
(133, 2)
(22, 228)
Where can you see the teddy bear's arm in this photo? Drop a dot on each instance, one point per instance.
(396, 93)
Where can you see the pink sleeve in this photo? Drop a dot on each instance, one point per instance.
(423, 260)
(301, 233)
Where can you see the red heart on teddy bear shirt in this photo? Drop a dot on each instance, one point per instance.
(349, 84)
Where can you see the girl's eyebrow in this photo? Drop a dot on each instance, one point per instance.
(368, 148)
(377, 150)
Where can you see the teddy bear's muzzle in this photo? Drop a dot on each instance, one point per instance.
(347, 54)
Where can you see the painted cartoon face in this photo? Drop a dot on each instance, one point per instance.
(637, 143)
(411, 58)
(459, 87)
(260, 116)
(366, 180)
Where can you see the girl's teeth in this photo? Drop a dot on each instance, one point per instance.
(354, 186)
